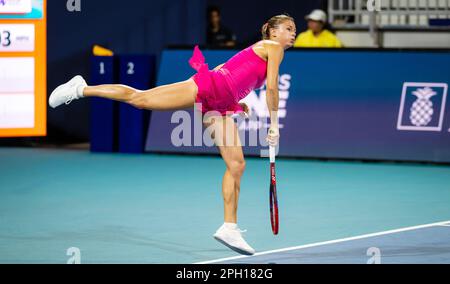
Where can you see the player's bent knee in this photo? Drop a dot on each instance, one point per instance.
(237, 168)
(137, 100)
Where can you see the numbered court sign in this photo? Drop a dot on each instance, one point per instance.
(104, 112)
(136, 71)
(23, 68)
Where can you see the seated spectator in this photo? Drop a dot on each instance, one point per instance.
(317, 35)
(218, 35)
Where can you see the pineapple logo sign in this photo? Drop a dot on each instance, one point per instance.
(422, 106)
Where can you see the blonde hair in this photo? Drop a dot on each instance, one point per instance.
(273, 23)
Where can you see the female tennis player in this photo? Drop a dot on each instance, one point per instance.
(218, 90)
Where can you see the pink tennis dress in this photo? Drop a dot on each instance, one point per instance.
(221, 90)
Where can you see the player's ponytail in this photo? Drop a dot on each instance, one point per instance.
(265, 31)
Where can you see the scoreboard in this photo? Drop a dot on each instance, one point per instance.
(23, 68)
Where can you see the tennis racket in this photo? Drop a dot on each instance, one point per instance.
(273, 192)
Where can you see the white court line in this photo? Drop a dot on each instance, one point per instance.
(443, 223)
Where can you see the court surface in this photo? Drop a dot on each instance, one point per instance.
(119, 208)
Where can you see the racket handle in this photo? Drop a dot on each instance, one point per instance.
(272, 154)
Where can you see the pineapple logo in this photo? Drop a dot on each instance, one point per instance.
(422, 108)
(426, 105)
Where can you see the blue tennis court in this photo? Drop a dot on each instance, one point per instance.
(426, 244)
(119, 208)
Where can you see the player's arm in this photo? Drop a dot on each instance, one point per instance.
(219, 66)
(275, 55)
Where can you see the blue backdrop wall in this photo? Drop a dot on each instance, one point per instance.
(386, 105)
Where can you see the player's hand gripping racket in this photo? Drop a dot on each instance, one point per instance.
(273, 192)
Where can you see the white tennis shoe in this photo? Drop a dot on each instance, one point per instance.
(230, 236)
(66, 93)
